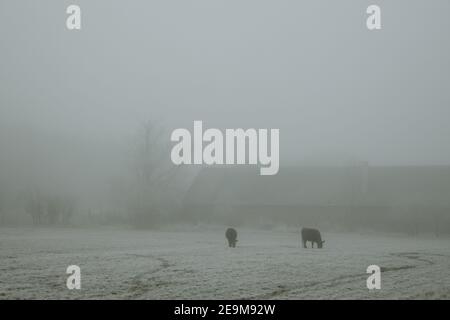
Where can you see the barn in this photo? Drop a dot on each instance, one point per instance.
(392, 198)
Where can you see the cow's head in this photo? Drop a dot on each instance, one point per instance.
(320, 244)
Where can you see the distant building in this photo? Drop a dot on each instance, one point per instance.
(397, 198)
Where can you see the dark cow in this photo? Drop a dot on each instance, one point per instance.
(231, 235)
(312, 235)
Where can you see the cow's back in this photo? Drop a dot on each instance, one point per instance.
(231, 234)
(309, 234)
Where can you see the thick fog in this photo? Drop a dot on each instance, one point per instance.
(78, 108)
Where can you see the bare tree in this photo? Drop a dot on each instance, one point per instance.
(155, 176)
(35, 206)
(53, 209)
(68, 210)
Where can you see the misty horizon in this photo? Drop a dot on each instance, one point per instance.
(96, 104)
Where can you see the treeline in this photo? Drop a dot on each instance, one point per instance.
(50, 209)
(146, 195)
(412, 221)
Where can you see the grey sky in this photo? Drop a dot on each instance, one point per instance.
(310, 68)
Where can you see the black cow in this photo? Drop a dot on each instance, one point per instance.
(231, 235)
(312, 235)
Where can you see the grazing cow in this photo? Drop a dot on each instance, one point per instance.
(312, 235)
(231, 235)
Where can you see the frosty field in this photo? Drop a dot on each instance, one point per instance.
(197, 264)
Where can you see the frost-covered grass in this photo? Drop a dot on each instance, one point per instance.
(197, 264)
